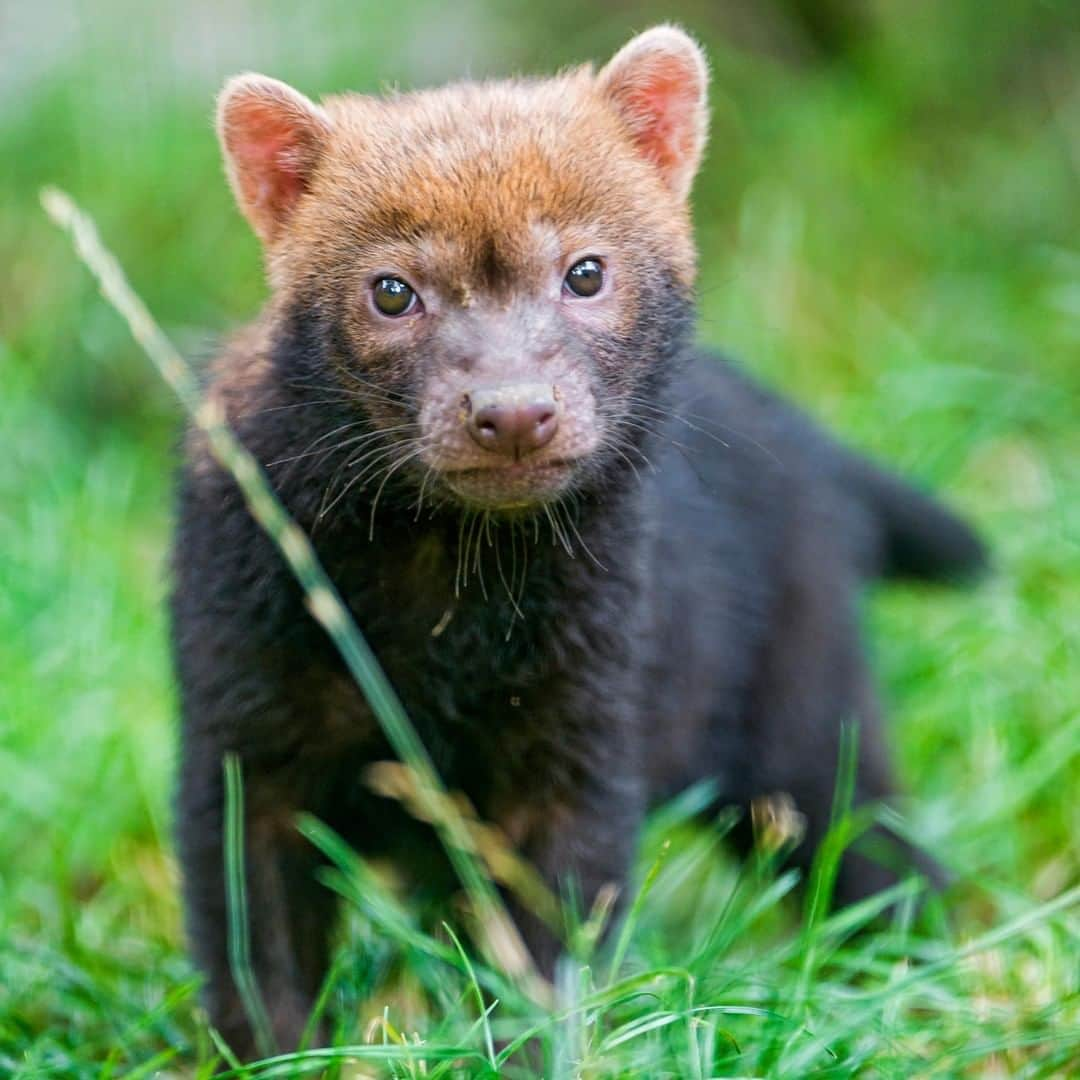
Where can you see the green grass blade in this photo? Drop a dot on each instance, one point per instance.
(236, 899)
(322, 598)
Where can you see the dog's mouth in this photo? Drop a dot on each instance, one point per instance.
(512, 485)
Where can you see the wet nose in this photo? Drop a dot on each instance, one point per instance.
(512, 420)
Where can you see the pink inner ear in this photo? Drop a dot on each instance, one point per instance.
(267, 146)
(663, 106)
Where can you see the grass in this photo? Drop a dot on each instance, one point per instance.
(892, 241)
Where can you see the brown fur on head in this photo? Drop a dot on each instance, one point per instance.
(480, 198)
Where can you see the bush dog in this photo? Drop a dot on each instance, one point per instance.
(597, 564)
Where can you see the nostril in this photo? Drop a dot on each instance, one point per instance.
(488, 426)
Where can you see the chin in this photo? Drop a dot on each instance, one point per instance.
(523, 485)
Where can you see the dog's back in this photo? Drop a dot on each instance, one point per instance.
(762, 531)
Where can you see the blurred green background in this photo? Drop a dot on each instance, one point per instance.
(889, 221)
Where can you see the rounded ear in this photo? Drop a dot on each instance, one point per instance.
(271, 137)
(658, 83)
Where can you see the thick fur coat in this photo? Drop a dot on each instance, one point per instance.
(662, 592)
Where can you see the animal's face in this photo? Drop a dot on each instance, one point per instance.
(501, 272)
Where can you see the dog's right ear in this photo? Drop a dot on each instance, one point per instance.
(271, 137)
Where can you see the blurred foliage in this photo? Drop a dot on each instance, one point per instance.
(888, 219)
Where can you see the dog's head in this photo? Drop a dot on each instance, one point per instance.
(498, 273)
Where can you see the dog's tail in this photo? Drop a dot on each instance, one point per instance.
(913, 535)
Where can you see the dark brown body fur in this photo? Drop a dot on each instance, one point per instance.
(720, 642)
(702, 624)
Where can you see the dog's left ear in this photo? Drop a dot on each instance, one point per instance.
(658, 83)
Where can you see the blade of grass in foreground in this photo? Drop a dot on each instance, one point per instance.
(500, 939)
(236, 897)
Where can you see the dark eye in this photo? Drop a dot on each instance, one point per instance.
(585, 278)
(393, 296)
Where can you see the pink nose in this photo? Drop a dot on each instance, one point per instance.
(513, 420)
